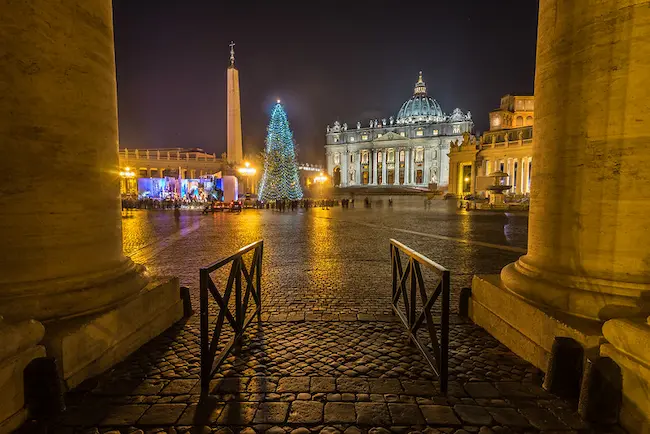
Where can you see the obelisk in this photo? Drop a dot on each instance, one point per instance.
(235, 151)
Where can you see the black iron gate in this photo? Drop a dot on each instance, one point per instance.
(413, 320)
(252, 277)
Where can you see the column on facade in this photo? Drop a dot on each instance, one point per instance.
(384, 166)
(59, 268)
(407, 152)
(345, 175)
(588, 224)
(358, 174)
(398, 151)
(425, 165)
(373, 167)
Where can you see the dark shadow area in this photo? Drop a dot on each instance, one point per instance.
(564, 375)
(602, 391)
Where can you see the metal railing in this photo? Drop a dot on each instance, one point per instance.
(210, 361)
(412, 319)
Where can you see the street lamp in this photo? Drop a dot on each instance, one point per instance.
(321, 179)
(247, 171)
(127, 174)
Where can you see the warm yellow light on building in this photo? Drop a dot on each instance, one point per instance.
(247, 170)
(127, 173)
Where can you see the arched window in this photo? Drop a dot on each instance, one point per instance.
(519, 122)
(529, 120)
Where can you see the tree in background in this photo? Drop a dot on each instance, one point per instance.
(280, 179)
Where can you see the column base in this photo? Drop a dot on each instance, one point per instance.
(628, 343)
(528, 330)
(20, 346)
(87, 346)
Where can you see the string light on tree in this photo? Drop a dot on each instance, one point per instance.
(280, 179)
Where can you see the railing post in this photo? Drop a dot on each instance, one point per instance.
(444, 333)
(413, 297)
(258, 280)
(393, 271)
(239, 317)
(205, 350)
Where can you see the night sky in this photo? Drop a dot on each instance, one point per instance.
(347, 60)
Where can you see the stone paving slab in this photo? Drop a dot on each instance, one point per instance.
(328, 355)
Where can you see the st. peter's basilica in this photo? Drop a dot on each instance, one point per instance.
(408, 150)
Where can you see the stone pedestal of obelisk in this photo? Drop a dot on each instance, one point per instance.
(234, 132)
(60, 221)
(588, 258)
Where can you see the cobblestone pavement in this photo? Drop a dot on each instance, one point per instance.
(327, 355)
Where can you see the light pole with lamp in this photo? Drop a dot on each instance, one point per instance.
(247, 172)
(321, 179)
(127, 175)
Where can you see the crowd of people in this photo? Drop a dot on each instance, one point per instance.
(131, 203)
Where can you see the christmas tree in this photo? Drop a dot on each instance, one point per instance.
(280, 179)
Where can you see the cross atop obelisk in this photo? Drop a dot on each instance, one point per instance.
(232, 53)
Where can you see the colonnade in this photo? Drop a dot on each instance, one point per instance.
(61, 227)
(405, 167)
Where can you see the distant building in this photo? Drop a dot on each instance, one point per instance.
(168, 167)
(506, 147)
(409, 150)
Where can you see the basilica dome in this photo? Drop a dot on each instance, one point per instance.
(420, 108)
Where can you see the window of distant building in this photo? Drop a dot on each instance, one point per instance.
(364, 136)
(529, 120)
(496, 121)
(351, 158)
(419, 155)
(402, 133)
(154, 173)
(419, 132)
(379, 156)
(456, 129)
(436, 132)
(391, 156)
(364, 158)
(337, 158)
(401, 156)
(519, 121)
(143, 173)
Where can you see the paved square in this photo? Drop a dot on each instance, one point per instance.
(327, 354)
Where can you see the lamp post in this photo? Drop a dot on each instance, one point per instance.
(320, 179)
(127, 175)
(247, 171)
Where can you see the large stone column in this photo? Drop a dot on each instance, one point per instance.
(589, 229)
(384, 166)
(60, 221)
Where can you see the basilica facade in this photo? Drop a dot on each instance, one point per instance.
(407, 150)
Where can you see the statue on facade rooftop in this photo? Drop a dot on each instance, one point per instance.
(345, 126)
(358, 125)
